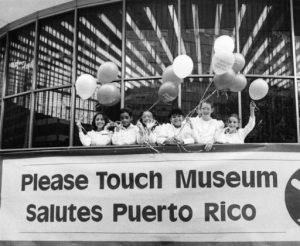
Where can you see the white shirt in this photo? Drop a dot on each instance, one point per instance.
(167, 131)
(237, 137)
(205, 130)
(95, 138)
(146, 136)
(125, 136)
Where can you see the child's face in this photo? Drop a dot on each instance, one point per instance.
(176, 120)
(147, 117)
(125, 119)
(99, 121)
(233, 123)
(205, 110)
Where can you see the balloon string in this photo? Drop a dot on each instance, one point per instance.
(189, 114)
(153, 105)
(201, 100)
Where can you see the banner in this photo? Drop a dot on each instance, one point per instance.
(182, 197)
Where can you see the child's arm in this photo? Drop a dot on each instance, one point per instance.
(251, 123)
(85, 139)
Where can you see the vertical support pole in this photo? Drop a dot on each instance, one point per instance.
(5, 76)
(123, 54)
(74, 70)
(179, 48)
(237, 34)
(294, 68)
(34, 82)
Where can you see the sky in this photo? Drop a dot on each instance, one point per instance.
(11, 10)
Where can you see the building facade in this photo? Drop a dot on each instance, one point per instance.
(41, 56)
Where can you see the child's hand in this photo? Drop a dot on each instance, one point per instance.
(208, 146)
(252, 105)
(78, 124)
(188, 121)
(179, 141)
(118, 125)
(150, 124)
(170, 141)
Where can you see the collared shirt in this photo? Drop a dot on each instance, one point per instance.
(125, 136)
(95, 138)
(167, 131)
(237, 137)
(205, 130)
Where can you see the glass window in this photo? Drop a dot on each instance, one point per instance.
(202, 22)
(276, 114)
(151, 37)
(142, 95)
(297, 33)
(193, 90)
(16, 122)
(21, 49)
(55, 50)
(52, 118)
(99, 37)
(2, 61)
(265, 37)
(99, 41)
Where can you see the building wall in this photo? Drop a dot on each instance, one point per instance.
(40, 61)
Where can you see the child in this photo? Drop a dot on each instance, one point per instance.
(204, 127)
(176, 132)
(232, 134)
(147, 125)
(125, 133)
(99, 135)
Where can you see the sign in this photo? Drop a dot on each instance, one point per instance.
(186, 197)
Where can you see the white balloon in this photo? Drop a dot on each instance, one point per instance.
(258, 89)
(222, 62)
(85, 86)
(239, 62)
(107, 72)
(224, 43)
(183, 66)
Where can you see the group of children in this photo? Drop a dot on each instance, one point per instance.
(202, 129)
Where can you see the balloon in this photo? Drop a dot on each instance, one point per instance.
(168, 91)
(224, 81)
(183, 66)
(258, 89)
(85, 86)
(239, 83)
(169, 75)
(224, 43)
(108, 95)
(107, 72)
(222, 62)
(239, 62)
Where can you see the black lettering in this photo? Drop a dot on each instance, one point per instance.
(96, 213)
(30, 211)
(118, 209)
(209, 210)
(189, 183)
(26, 180)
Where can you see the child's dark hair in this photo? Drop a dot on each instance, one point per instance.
(126, 110)
(176, 111)
(233, 115)
(106, 120)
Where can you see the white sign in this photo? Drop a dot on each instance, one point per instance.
(199, 197)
